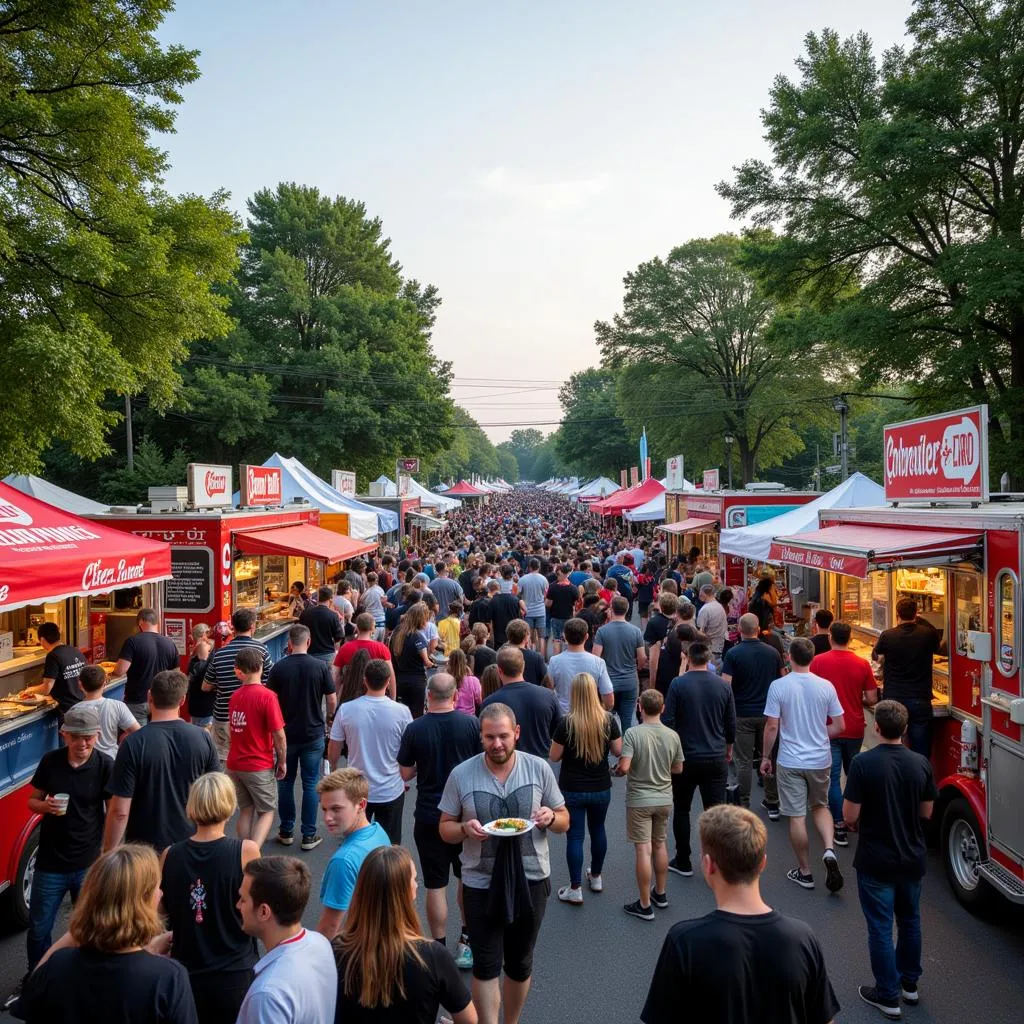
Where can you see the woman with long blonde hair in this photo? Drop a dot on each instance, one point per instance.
(411, 657)
(387, 970)
(468, 695)
(582, 742)
(112, 963)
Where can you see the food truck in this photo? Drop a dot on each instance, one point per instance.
(958, 552)
(224, 557)
(694, 519)
(54, 567)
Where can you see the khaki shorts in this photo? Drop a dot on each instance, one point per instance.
(221, 740)
(802, 789)
(255, 789)
(648, 824)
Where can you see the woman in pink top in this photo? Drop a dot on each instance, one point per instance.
(468, 695)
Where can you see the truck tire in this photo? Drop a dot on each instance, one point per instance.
(963, 849)
(16, 899)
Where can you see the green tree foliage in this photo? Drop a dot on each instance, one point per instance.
(898, 184)
(331, 360)
(698, 355)
(524, 445)
(592, 438)
(508, 467)
(104, 278)
(471, 452)
(121, 486)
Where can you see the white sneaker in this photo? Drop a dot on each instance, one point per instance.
(569, 895)
(596, 882)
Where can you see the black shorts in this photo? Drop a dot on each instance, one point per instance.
(493, 943)
(645, 607)
(436, 856)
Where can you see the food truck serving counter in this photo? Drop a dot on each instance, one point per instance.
(962, 567)
(54, 567)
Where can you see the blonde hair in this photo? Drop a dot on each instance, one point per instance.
(736, 840)
(211, 799)
(381, 929)
(115, 910)
(587, 723)
(458, 666)
(349, 780)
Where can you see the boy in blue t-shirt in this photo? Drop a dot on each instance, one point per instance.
(343, 796)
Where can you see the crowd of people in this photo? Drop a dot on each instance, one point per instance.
(510, 673)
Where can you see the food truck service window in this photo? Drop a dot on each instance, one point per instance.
(928, 588)
(1007, 614)
(865, 603)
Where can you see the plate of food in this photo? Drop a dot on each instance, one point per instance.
(508, 826)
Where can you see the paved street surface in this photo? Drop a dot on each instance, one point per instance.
(593, 962)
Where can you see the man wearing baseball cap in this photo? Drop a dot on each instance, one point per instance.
(69, 787)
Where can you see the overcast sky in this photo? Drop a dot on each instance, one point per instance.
(522, 156)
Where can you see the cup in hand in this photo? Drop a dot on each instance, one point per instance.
(61, 800)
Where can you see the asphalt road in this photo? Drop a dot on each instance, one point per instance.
(593, 963)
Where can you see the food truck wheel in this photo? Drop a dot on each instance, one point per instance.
(20, 892)
(963, 849)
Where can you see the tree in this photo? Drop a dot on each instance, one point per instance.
(524, 445)
(592, 438)
(698, 357)
(508, 467)
(104, 278)
(331, 360)
(899, 186)
(121, 486)
(471, 452)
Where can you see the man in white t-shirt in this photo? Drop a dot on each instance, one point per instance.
(371, 729)
(563, 668)
(797, 710)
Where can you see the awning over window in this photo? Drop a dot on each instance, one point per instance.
(854, 549)
(303, 540)
(690, 526)
(425, 522)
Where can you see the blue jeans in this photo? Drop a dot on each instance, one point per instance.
(48, 891)
(843, 752)
(586, 810)
(881, 903)
(625, 707)
(304, 758)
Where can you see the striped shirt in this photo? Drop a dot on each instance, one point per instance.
(220, 670)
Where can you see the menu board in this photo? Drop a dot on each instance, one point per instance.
(190, 588)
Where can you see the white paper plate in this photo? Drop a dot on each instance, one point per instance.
(501, 833)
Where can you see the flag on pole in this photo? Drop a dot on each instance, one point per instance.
(645, 466)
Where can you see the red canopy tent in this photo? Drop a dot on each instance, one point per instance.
(47, 554)
(633, 498)
(602, 503)
(464, 489)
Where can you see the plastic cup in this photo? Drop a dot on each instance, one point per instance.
(61, 800)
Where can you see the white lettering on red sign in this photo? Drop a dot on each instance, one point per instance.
(263, 485)
(5, 592)
(939, 457)
(12, 514)
(225, 565)
(97, 576)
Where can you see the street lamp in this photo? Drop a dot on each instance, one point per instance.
(729, 442)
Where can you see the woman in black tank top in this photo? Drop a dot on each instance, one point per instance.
(201, 879)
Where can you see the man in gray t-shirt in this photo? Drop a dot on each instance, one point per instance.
(621, 645)
(445, 589)
(563, 668)
(501, 783)
(533, 588)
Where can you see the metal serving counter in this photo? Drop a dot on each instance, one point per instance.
(274, 635)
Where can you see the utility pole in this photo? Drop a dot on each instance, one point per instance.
(842, 407)
(128, 432)
(729, 442)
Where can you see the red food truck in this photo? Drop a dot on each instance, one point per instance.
(54, 567)
(958, 552)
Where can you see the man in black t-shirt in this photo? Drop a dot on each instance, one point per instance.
(823, 619)
(141, 657)
(536, 707)
(431, 747)
(483, 653)
(61, 669)
(325, 628)
(890, 792)
(747, 963)
(504, 608)
(561, 605)
(907, 653)
(71, 832)
(154, 769)
(535, 668)
(303, 685)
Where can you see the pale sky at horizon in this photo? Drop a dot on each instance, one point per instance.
(522, 157)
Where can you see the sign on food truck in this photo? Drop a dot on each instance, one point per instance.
(938, 458)
(209, 486)
(259, 485)
(344, 482)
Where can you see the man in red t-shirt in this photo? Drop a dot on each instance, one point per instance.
(365, 628)
(257, 733)
(855, 684)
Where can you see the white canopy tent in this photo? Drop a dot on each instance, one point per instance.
(37, 487)
(416, 489)
(754, 542)
(599, 488)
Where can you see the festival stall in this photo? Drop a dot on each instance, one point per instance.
(629, 499)
(54, 567)
(595, 490)
(468, 493)
(37, 487)
(956, 551)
